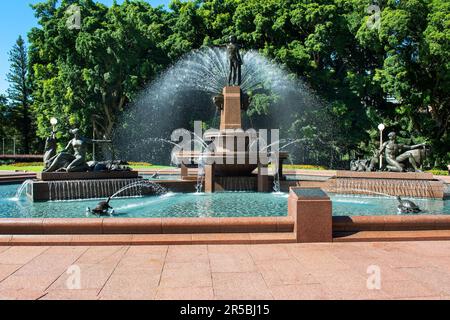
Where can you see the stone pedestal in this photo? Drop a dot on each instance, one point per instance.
(312, 210)
(233, 152)
(230, 117)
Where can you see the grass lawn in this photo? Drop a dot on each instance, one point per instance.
(21, 168)
(303, 167)
(152, 167)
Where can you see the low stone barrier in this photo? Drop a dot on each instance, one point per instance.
(312, 210)
(145, 226)
(391, 223)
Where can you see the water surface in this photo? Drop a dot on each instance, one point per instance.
(227, 204)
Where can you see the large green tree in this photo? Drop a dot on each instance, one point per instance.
(88, 74)
(5, 124)
(19, 94)
(394, 70)
(412, 44)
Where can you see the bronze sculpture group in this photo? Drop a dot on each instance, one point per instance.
(397, 157)
(65, 161)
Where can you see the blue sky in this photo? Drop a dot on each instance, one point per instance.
(17, 18)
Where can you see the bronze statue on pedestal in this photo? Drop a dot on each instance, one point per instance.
(67, 162)
(235, 62)
(397, 160)
(50, 150)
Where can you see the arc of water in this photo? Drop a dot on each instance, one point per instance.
(141, 183)
(341, 189)
(22, 189)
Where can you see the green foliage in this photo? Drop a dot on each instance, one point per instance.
(438, 172)
(415, 39)
(88, 76)
(396, 72)
(4, 116)
(29, 168)
(19, 95)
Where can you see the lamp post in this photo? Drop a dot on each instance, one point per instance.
(53, 122)
(381, 127)
(93, 138)
(14, 146)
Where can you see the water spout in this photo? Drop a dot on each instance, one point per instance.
(21, 192)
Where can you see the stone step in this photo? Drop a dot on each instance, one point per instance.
(369, 236)
(151, 239)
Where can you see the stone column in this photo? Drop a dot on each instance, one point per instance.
(210, 182)
(184, 171)
(280, 168)
(312, 210)
(263, 178)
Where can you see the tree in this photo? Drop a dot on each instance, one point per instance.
(4, 116)
(413, 45)
(19, 93)
(396, 73)
(92, 73)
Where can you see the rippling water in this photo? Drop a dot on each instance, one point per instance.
(229, 204)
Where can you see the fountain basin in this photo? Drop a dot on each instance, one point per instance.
(220, 205)
(230, 217)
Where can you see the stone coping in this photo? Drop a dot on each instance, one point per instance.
(8, 176)
(386, 175)
(148, 239)
(392, 236)
(309, 193)
(9, 179)
(391, 223)
(190, 231)
(63, 176)
(214, 239)
(97, 226)
(213, 228)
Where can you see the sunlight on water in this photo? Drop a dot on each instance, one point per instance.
(228, 204)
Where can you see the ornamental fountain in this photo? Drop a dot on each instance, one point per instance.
(230, 159)
(233, 154)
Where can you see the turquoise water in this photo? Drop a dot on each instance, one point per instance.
(356, 205)
(230, 204)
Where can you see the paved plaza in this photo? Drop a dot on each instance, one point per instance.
(384, 270)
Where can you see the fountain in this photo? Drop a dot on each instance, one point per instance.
(233, 154)
(227, 159)
(184, 94)
(197, 86)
